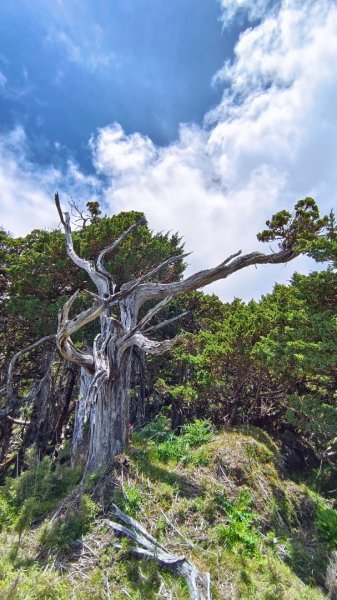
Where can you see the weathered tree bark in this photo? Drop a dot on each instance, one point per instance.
(138, 385)
(107, 400)
(80, 439)
(109, 416)
(49, 400)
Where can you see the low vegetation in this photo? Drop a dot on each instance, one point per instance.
(232, 455)
(222, 499)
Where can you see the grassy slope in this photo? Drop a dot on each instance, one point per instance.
(225, 504)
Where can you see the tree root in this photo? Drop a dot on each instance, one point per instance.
(198, 583)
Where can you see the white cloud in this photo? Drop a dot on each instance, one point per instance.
(27, 191)
(3, 81)
(271, 141)
(253, 9)
(87, 54)
(286, 75)
(120, 155)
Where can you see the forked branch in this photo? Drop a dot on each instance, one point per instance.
(102, 279)
(235, 262)
(67, 327)
(151, 346)
(114, 246)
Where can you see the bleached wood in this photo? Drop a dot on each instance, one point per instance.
(198, 583)
(110, 361)
(113, 246)
(232, 264)
(151, 346)
(166, 322)
(67, 327)
(169, 261)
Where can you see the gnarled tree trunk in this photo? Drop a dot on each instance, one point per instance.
(109, 363)
(80, 439)
(109, 415)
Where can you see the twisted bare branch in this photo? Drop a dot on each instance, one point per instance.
(114, 245)
(99, 279)
(150, 346)
(235, 262)
(67, 327)
(10, 392)
(166, 322)
(198, 583)
(169, 261)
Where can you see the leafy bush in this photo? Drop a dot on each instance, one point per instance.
(176, 447)
(71, 527)
(326, 521)
(238, 531)
(157, 429)
(35, 491)
(129, 499)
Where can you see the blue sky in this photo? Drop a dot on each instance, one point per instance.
(74, 66)
(208, 115)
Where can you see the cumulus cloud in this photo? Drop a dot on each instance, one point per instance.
(270, 142)
(119, 155)
(281, 108)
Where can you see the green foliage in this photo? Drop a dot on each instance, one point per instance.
(129, 499)
(69, 528)
(37, 277)
(158, 428)
(297, 232)
(94, 210)
(32, 583)
(326, 521)
(225, 529)
(35, 491)
(7, 513)
(269, 363)
(238, 532)
(30, 509)
(308, 558)
(192, 435)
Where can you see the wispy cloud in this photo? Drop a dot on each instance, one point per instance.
(252, 9)
(87, 54)
(27, 191)
(14, 92)
(3, 81)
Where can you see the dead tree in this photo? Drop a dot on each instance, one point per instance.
(106, 403)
